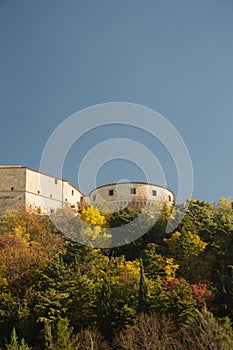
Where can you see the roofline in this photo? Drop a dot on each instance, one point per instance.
(133, 182)
(39, 172)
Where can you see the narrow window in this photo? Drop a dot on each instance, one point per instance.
(72, 192)
(133, 190)
(110, 192)
(12, 188)
(55, 181)
(154, 193)
(38, 192)
(169, 198)
(94, 198)
(51, 195)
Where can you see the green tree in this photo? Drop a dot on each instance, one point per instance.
(207, 332)
(104, 309)
(61, 337)
(143, 290)
(14, 344)
(186, 247)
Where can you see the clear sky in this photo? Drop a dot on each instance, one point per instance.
(59, 56)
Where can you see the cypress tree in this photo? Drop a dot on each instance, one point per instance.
(142, 293)
(104, 309)
(14, 344)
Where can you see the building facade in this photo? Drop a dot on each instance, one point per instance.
(134, 195)
(24, 188)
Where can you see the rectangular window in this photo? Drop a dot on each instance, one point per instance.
(72, 192)
(133, 190)
(94, 198)
(110, 192)
(154, 193)
(169, 198)
(55, 181)
(12, 188)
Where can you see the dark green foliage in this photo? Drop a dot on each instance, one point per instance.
(143, 290)
(61, 336)
(104, 309)
(14, 344)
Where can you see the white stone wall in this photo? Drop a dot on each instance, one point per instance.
(22, 188)
(71, 195)
(43, 192)
(123, 195)
(43, 184)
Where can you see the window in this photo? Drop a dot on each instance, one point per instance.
(55, 181)
(133, 190)
(12, 188)
(51, 211)
(38, 192)
(169, 198)
(51, 195)
(72, 192)
(110, 192)
(94, 198)
(154, 193)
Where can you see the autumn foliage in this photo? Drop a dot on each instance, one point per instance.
(163, 291)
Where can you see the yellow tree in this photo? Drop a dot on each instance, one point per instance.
(186, 248)
(93, 232)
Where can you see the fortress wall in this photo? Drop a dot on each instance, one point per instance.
(71, 195)
(43, 185)
(133, 195)
(12, 185)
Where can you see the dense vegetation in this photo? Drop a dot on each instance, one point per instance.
(163, 291)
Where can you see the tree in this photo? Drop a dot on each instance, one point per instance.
(104, 309)
(172, 297)
(92, 339)
(142, 294)
(157, 265)
(186, 247)
(207, 332)
(14, 343)
(61, 337)
(149, 332)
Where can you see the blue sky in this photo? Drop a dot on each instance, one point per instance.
(175, 57)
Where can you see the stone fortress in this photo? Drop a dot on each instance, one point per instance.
(134, 195)
(24, 188)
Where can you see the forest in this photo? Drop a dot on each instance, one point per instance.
(163, 291)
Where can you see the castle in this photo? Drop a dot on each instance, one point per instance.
(25, 188)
